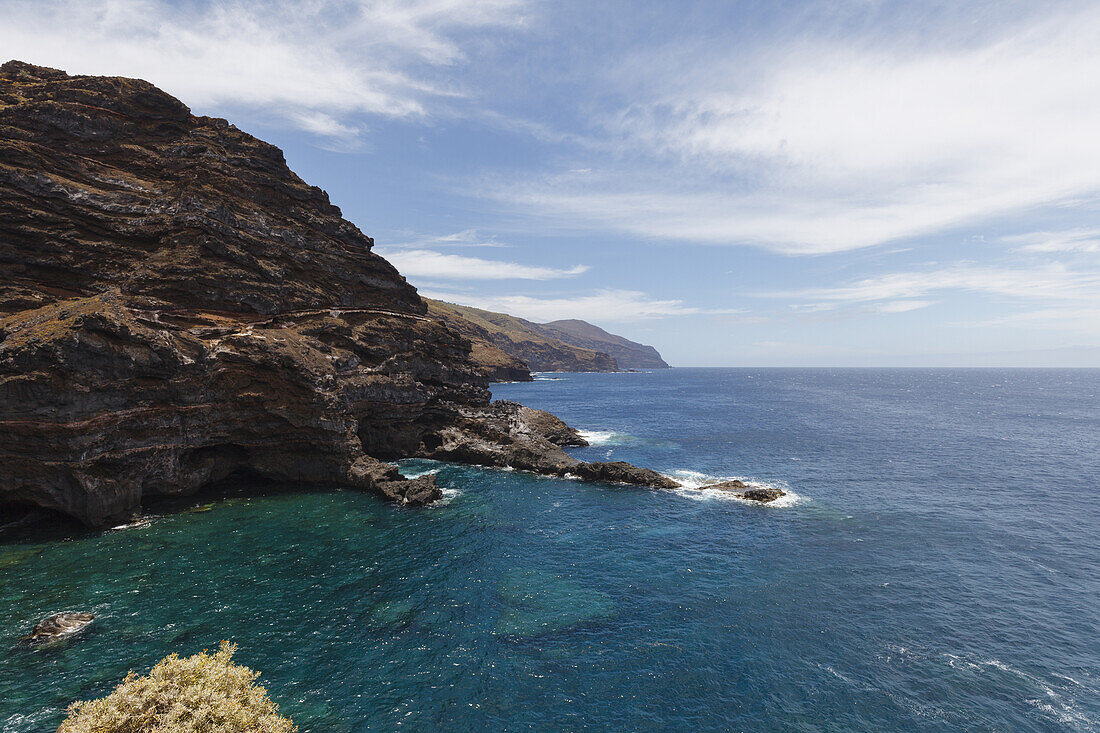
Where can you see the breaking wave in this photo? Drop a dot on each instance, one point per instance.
(421, 474)
(692, 483)
(605, 437)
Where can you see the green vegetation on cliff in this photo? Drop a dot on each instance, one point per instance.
(629, 354)
(506, 346)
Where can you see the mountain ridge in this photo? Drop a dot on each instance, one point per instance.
(628, 354)
(502, 342)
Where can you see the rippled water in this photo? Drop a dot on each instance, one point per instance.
(935, 569)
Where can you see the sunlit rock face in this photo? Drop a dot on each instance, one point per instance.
(180, 307)
(177, 307)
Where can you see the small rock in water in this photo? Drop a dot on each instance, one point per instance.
(744, 491)
(729, 486)
(60, 624)
(763, 495)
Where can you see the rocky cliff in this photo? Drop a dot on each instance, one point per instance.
(177, 308)
(628, 354)
(499, 337)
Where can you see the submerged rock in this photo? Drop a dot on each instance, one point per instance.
(742, 490)
(59, 624)
(536, 603)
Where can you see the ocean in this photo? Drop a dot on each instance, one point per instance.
(934, 567)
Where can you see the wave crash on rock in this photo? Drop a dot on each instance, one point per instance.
(59, 625)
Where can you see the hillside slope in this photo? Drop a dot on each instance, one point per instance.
(494, 334)
(628, 354)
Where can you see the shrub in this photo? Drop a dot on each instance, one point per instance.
(200, 694)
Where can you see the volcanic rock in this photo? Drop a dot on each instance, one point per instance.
(509, 434)
(744, 491)
(177, 308)
(59, 624)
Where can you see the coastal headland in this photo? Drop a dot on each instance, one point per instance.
(179, 308)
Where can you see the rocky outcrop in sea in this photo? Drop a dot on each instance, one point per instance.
(178, 308)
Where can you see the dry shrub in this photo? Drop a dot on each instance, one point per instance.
(200, 694)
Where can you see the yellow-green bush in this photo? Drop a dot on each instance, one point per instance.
(205, 693)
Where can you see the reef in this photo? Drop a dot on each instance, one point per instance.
(178, 308)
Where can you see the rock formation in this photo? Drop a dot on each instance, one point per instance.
(741, 490)
(509, 434)
(177, 307)
(59, 624)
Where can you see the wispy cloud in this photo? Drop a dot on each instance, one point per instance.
(1084, 321)
(834, 143)
(1073, 240)
(313, 63)
(427, 263)
(465, 238)
(903, 291)
(602, 306)
(902, 306)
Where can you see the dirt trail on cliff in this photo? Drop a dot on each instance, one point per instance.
(178, 308)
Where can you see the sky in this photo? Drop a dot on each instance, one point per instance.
(815, 183)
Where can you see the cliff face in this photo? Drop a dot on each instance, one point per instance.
(520, 340)
(629, 354)
(177, 307)
(182, 307)
(492, 361)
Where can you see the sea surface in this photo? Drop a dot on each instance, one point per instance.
(935, 567)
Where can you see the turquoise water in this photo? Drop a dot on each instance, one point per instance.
(934, 569)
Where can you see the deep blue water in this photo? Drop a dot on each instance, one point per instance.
(936, 568)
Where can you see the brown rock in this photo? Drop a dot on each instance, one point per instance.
(59, 624)
(177, 308)
(623, 473)
(744, 491)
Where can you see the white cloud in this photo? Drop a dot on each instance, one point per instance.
(1051, 283)
(465, 238)
(310, 62)
(903, 306)
(426, 263)
(1085, 321)
(835, 144)
(1073, 240)
(604, 306)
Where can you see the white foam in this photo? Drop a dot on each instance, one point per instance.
(1052, 703)
(449, 495)
(138, 523)
(692, 483)
(429, 472)
(600, 437)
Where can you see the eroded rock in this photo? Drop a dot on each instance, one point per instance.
(509, 434)
(59, 624)
(177, 308)
(762, 494)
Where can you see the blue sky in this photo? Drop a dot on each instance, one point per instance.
(844, 182)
